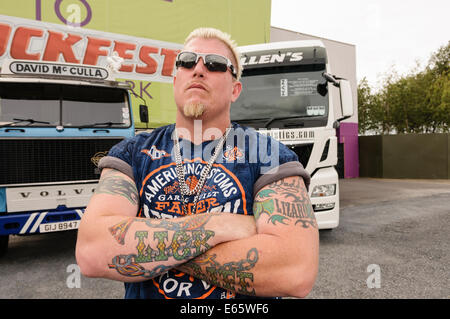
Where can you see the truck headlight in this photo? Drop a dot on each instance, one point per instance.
(324, 206)
(324, 190)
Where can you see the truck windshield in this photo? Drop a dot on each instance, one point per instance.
(45, 104)
(278, 97)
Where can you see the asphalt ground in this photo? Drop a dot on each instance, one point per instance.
(397, 229)
(392, 242)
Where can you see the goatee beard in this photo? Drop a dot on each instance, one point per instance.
(194, 110)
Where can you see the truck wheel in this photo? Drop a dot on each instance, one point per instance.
(3, 244)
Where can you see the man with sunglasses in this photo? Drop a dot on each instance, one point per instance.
(194, 209)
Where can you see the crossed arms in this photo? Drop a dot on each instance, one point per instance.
(273, 253)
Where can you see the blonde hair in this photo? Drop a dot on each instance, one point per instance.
(211, 33)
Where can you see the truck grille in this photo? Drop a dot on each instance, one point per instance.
(303, 152)
(25, 161)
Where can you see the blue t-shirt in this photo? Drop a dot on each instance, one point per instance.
(247, 162)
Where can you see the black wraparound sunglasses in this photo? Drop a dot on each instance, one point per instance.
(213, 62)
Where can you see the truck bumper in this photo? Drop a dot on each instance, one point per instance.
(40, 222)
(326, 209)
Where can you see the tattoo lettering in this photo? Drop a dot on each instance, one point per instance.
(231, 275)
(114, 184)
(284, 201)
(180, 240)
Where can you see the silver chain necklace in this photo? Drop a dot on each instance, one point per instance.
(179, 169)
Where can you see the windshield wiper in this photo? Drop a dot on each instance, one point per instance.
(269, 120)
(266, 125)
(250, 120)
(107, 124)
(30, 121)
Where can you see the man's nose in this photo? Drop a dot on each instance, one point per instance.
(200, 68)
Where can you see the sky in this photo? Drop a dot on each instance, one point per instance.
(386, 33)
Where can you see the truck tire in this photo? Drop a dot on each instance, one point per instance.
(3, 245)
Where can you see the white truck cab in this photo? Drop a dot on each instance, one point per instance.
(288, 91)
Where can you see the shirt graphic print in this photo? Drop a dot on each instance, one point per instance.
(148, 158)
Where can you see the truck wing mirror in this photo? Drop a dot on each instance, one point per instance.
(143, 113)
(346, 98)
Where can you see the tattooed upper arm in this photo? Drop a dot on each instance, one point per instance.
(285, 202)
(115, 183)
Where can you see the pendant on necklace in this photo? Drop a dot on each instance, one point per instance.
(195, 185)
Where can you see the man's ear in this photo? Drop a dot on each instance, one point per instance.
(236, 90)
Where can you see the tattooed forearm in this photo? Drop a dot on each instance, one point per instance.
(285, 201)
(235, 275)
(178, 240)
(114, 184)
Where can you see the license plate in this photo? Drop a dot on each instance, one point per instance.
(60, 226)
